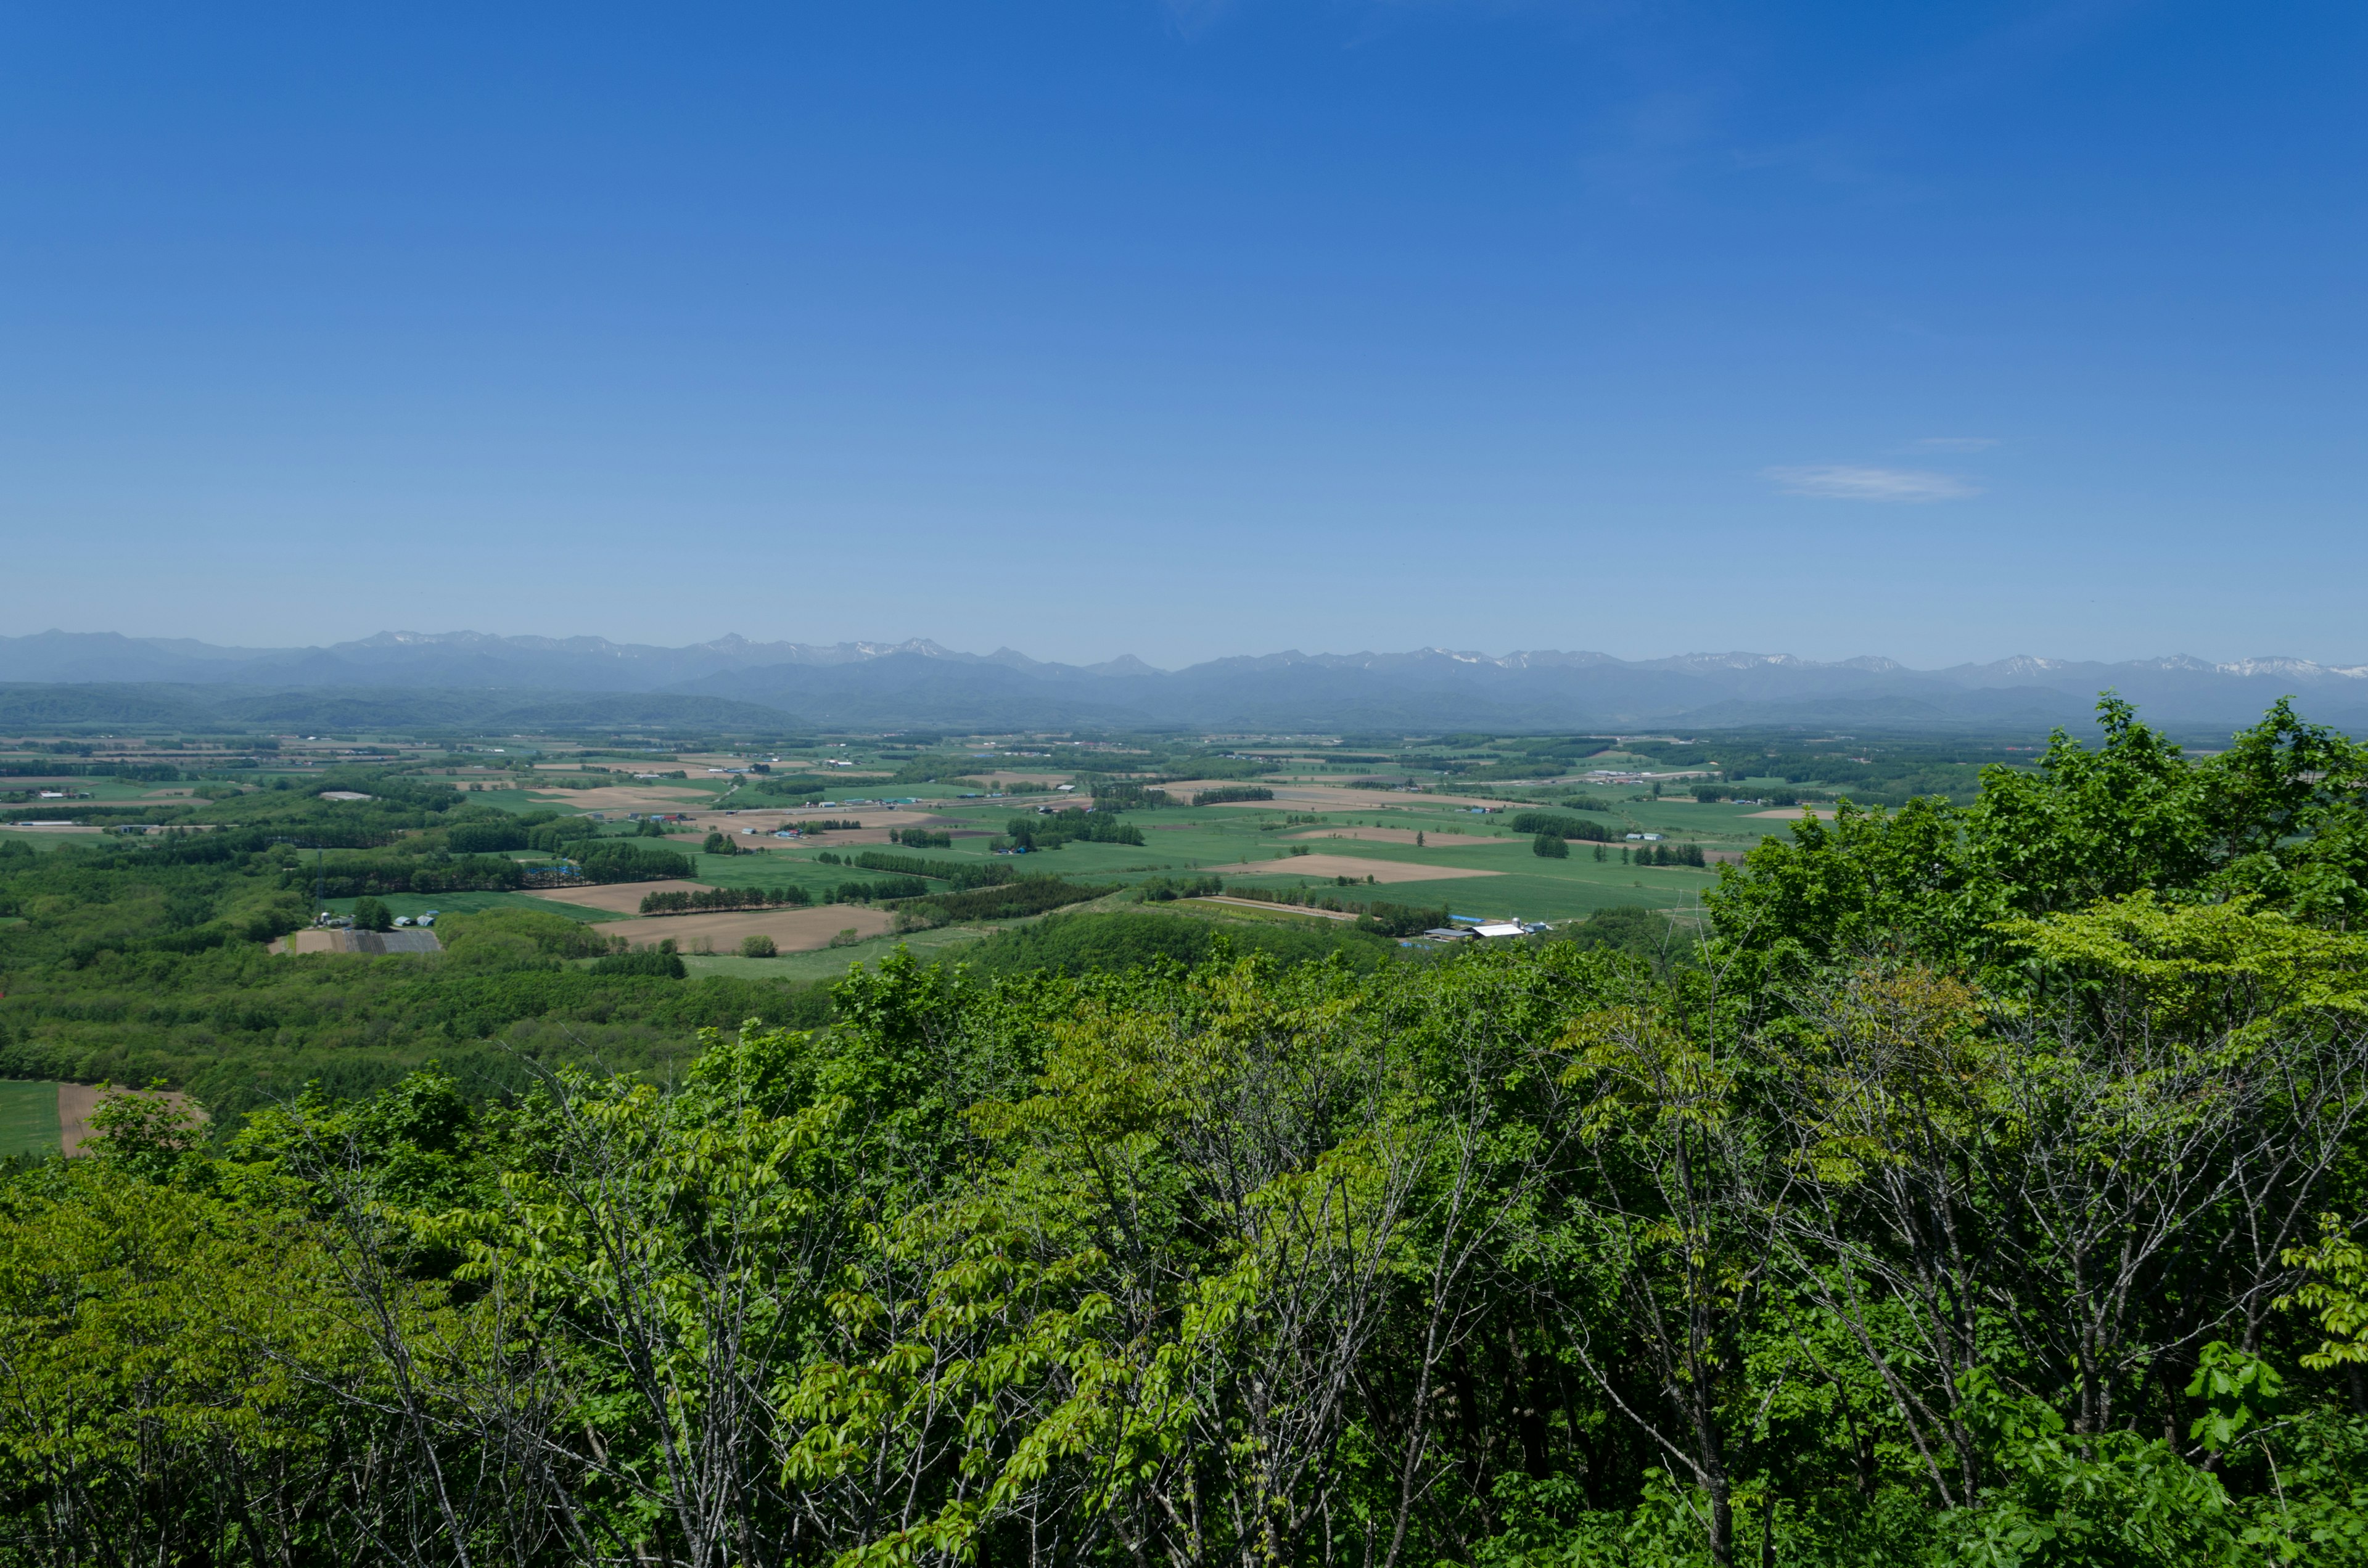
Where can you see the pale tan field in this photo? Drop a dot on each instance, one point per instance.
(793, 930)
(1328, 866)
(1406, 835)
(38, 827)
(624, 798)
(1260, 904)
(77, 1101)
(1049, 776)
(620, 898)
(1794, 813)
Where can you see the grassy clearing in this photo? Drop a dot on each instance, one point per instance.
(100, 791)
(47, 841)
(28, 1117)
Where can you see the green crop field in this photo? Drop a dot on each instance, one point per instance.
(28, 1117)
(111, 791)
(832, 963)
(1506, 879)
(45, 841)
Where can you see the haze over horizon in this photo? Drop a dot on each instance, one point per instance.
(875, 646)
(1186, 330)
(409, 680)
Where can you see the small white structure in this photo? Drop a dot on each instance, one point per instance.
(1501, 928)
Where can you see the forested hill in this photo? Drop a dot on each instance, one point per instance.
(1987, 1187)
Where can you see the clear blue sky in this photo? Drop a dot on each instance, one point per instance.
(1945, 331)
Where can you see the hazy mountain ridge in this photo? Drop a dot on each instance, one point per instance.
(919, 682)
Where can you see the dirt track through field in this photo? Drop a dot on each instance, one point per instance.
(792, 930)
(1330, 866)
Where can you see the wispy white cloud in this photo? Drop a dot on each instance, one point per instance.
(1954, 444)
(1842, 481)
(1191, 18)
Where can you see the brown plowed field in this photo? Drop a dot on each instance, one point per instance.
(77, 1101)
(624, 798)
(618, 898)
(792, 930)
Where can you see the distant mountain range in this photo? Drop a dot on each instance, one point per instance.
(469, 677)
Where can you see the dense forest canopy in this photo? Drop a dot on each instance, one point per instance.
(1985, 1185)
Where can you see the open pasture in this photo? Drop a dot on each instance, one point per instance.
(1439, 838)
(28, 1117)
(1330, 797)
(1328, 867)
